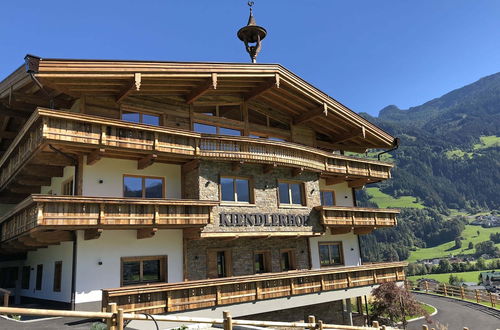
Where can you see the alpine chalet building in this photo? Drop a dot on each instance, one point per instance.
(184, 187)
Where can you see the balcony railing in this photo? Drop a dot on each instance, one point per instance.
(183, 296)
(339, 216)
(101, 212)
(90, 133)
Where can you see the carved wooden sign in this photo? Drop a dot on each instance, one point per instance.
(266, 220)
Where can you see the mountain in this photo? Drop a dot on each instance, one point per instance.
(448, 162)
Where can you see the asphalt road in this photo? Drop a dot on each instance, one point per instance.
(458, 314)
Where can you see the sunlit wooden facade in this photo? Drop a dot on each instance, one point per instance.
(192, 176)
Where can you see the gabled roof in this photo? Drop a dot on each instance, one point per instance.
(263, 85)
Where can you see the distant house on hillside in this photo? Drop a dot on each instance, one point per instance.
(490, 278)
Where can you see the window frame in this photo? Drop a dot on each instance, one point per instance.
(39, 278)
(141, 114)
(251, 191)
(163, 269)
(58, 270)
(292, 259)
(144, 177)
(25, 277)
(267, 260)
(211, 255)
(303, 203)
(334, 196)
(64, 185)
(341, 253)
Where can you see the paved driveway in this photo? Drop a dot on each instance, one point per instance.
(457, 314)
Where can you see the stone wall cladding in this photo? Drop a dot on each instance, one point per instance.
(242, 251)
(265, 192)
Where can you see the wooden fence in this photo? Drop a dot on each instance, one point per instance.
(6, 295)
(459, 292)
(115, 318)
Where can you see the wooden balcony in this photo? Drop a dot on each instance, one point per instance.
(183, 296)
(363, 220)
(97, 137)
(40, 213)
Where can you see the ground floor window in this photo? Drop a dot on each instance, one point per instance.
(137, 270)
(287, 260)
(8, 277)
(57, 276)
(219, 263)
(39, 277)
(262, 262)
(330, 254)
(25, 279)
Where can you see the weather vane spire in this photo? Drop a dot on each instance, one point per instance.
(252, 35)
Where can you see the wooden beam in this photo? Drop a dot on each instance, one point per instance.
(202, 89)
(51, 158)
(311, 114)
(42, 100)
(347, 147)
(268, 168)
(7, 135)
(50, 237)
(236, 166)
(340, 230)
(95, 156)
(335, 180)
(272, 83)
(34, 180)
(190, 166)
(358, 183)
(146, 232)
(93, 233)
(20, 189)
(363, 230)
(146, 161)
(191, 233)
(46, 170)
(30, 241)
(359, 132)
(4, 111)
(133, 85)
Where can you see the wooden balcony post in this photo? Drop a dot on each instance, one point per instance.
(228, 320)
(375, 280)
(119, 319)
(258, 290)
(320, 325)
(218, 295)
(155, 142)
(312, 319)
(491, 299)
(169, 301)
(102, 216)
(39, 215)
(426, 284)
(111, 322)
(6, 299)
(103, 135)
(323, 285)
(292, 287)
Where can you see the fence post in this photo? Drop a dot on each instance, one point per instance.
(444, 290)
(462, 293)
(426, 284)
(5, 299)
(228, 320)
(119, 319)
(491, 299)
(320, 325)
(425, 327)
(375, 324)
(111, 322)
(477, 296)
(312, 319)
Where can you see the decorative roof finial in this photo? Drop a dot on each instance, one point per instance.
(252, 35)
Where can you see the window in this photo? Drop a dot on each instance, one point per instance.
(141, 118)
(136, 270)
(235, 189)
(291, 193)
(143, 187)
(67, 187)
(25, 279)
(262, 262)
(330, 254)
(210, 126)
(327, 197)
(287, 260)
(39, 277)
(57, 276)
(219, 263)
(8, 277)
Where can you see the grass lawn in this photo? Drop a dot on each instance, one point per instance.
(457, 153)
(487, 142)
(467, 276)
(384, 200)
(469, 234)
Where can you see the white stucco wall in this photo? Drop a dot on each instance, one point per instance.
(352, 256)
(110, 247)
(111, 172)
(343, 194)
(56, 183)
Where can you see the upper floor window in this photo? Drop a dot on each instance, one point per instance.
(67, 187)
(327, 197)
(330, 254)
(291, 193)
(143, 186)
(141, 118)
(235, 189)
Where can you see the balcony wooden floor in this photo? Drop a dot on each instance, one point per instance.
(359, 219)
(184, 296)
(38, 215)
(99, 137)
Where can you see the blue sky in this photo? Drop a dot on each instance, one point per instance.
(367, 54)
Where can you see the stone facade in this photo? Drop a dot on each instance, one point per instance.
(242, 252)
(265, 189)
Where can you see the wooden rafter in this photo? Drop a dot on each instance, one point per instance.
(50, 237)
(358, 183)
(92, 233)
(146, 161)
(30, 180)
(311, 114)
(268, 168)
(335, 180)
(95, 156)
(45, 170)
(4, 111)
(7, 134)
(359, 132)
(133, 85)
(297, 171)
(146, 232)
(202, 89)
(272, 83)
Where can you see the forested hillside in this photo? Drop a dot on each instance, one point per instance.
(448, 159)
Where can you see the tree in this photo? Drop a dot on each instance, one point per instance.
(471, 246)
(486, 247)
(458, 243)
(444, 266)
(395, 302)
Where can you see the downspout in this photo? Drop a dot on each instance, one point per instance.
(75, 236)
(395, 144)
(31, 64)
